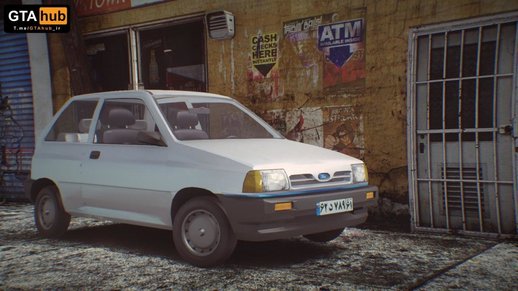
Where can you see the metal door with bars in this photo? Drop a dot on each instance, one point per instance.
(461, 139)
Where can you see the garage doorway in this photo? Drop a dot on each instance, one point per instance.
(173, 56)
(462, 105)
(109, 59)
(166, 55)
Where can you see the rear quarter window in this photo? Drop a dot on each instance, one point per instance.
(74, 123)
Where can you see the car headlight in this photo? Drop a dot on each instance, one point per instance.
(359, 173)
(265, 181)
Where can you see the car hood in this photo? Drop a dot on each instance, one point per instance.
(294, 157)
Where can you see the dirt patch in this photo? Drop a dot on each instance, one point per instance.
(104, 255)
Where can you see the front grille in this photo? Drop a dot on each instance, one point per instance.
(308, 180)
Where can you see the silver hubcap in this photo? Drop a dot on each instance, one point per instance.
(47, 212)
(201, 232)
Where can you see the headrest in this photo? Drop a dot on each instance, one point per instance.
(186, 119)
(139, 124)
(84, 125)
(120, 118)
(171, 116)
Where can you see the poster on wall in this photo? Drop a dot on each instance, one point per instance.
(277, 119)
(302, 124)
(343, 46)
(343, 130)
(300, 45)
(264, 52)
(301, 36)
(263, 72)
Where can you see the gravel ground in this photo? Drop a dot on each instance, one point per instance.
(104, 255)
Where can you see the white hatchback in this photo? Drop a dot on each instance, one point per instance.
(199, 164)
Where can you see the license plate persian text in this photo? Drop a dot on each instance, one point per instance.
(334, 206)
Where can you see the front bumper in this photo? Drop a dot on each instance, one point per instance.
(253, 217)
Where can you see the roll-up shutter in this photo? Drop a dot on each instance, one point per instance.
(17, 120)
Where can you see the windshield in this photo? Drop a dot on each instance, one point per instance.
(190, 121)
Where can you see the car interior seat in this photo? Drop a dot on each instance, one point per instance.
(119, 131)
(186, 127)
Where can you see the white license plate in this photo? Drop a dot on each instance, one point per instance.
(334, 206)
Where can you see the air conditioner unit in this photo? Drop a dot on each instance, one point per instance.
(220, 24)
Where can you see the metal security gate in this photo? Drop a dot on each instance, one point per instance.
(462, 99)
(16, 116)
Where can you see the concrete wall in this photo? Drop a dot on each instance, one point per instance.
(41, 83)
(373, 103)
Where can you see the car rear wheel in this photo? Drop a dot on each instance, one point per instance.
(202, 233)
(326, 236)
(49, 215)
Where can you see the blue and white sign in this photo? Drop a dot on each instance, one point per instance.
(337, 39)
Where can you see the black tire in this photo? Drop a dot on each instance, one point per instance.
(323, 237)
(50, 217)
(213, 241)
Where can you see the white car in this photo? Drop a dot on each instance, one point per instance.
(199, 164)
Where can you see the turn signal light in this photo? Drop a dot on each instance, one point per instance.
(283, 206)
(369, 195)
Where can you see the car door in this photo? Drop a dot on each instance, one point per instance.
(123, 178)
(59, 155)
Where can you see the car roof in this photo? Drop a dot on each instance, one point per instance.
(159, 94)
(156, 94)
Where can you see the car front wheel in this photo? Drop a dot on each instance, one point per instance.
(326, 236)
(49, 215)
(202, 233)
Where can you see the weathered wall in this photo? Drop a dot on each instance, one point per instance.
(371, 102)
(61, 88)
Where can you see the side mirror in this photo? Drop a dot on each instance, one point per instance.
(150, 138)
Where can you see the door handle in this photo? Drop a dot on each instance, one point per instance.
(421, 148)
(505, 129)
(94, 155)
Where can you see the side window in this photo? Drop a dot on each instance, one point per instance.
(73, 123)
(127, 121)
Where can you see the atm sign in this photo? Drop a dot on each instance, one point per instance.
(36, 18)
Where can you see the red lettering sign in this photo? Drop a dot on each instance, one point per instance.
(93, 7)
